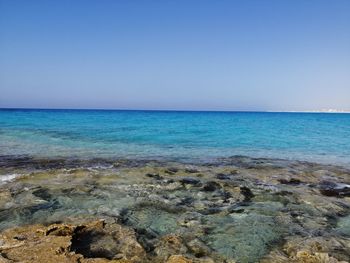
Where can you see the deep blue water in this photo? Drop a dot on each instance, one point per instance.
(187, 135)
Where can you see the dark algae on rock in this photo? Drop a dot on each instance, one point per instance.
(236, 209)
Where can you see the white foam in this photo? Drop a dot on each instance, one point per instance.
(8, 177)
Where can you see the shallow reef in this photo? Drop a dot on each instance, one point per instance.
(236, 209)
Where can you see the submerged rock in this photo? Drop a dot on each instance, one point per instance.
(186, 200)
(329, 188)
(5, 198)
(198, 248)
(190, 181)
(169, 245)
(211, 186)
(247, 193)
(151, 219)
(171, 170)
(311, 250)
(292, 181)
(191, 170)
(236, 210)
(222, 176)
(242, 237)
(155, 176)
(343, 226)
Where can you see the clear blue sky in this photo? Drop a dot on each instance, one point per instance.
(179, 54)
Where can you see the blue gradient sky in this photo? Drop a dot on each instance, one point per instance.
(198, 55)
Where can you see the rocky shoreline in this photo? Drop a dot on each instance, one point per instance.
(236, 209)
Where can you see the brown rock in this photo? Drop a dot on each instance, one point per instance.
(93, 242)
(178, 259)
(5, 197)
(4, 260)
(198, 248)
(311, 250)
(305, 257)
(169, 245)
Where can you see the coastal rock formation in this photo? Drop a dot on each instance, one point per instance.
(235, 209)
(91, 242)
(312, 250)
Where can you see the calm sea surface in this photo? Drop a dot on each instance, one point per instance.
(175, 135)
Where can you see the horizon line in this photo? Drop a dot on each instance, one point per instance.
(177, 110)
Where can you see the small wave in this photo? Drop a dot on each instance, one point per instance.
(7, 178)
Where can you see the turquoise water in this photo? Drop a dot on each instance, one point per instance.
(175, 135)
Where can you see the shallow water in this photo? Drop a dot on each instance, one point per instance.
(175, 135)
(237, 208)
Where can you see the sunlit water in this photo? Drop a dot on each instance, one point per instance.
(178, 135)
(240, 208)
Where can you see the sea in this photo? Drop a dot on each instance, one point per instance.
(174, 135)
